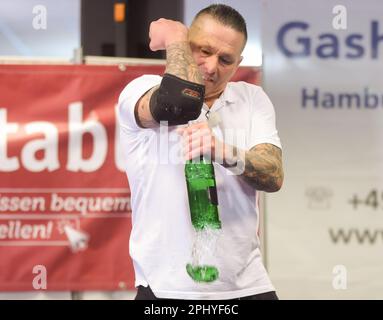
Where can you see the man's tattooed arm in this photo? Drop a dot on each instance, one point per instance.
(261, 166)
(180, 63)
(142, 112)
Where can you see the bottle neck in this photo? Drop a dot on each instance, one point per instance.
(201, 159)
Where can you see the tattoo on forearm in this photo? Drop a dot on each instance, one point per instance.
(263, 167)
(141, 112)
(180, 62)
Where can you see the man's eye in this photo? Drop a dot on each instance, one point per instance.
(205, 52)
(225, 61)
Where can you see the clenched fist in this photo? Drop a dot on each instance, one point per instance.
(164, 32)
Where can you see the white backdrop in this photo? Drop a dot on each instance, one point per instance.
(325, 227)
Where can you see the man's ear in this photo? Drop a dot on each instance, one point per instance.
(240, 60)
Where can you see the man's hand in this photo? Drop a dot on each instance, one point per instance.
(261, 166)
(198, 140)
(164, 32)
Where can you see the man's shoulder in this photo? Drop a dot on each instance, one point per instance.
(242, 89)
(140, 84)
(147, 77)
(243, 85)
(145, 80)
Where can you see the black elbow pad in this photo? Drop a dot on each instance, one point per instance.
(176, 101)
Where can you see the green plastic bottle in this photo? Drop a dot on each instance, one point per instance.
(203, 204)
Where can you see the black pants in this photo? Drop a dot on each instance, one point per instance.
(145, 293)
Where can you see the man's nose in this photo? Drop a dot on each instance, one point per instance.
(211, 64)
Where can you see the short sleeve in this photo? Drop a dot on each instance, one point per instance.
(129, 98)
(263, 124)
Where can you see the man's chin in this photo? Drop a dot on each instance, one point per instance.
(209, 86)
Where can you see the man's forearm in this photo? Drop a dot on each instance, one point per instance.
(180, 62)
(261, 165)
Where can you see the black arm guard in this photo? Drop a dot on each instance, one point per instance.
(176, 101)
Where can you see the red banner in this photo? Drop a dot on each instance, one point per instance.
(64, 197)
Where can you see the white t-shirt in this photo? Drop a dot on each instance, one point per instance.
(162, 233)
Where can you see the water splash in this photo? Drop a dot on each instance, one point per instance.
(204, 245)
(201, 269)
